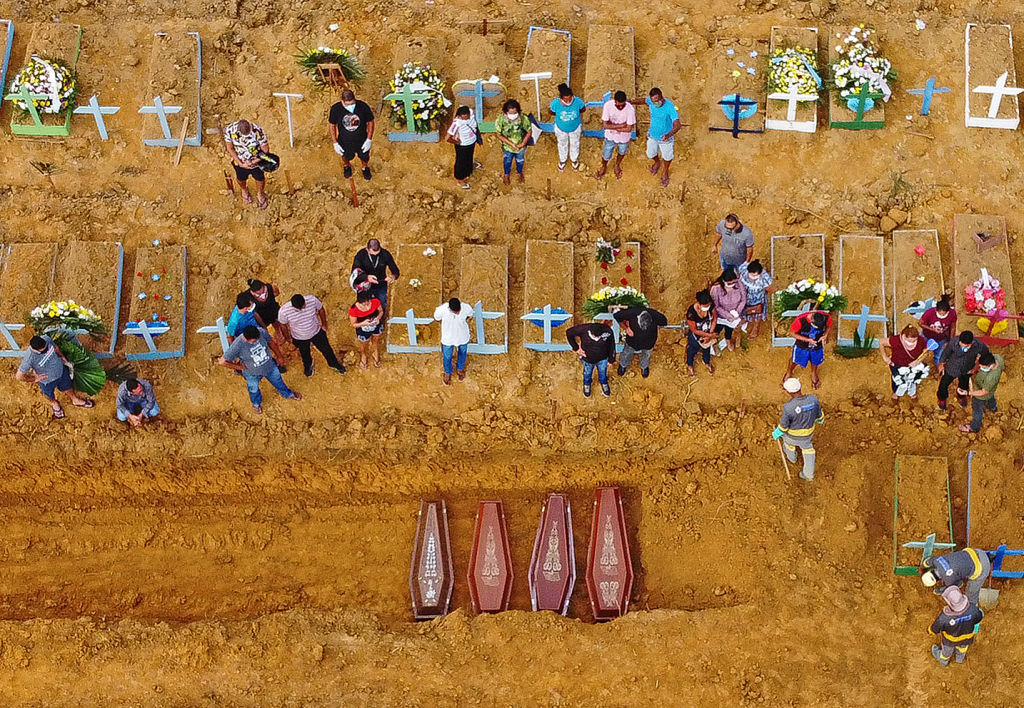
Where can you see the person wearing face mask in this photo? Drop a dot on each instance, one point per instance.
(730, 298)
(618, 116)
(938, 324)
(661, 136)
(904, 349)
(983, 389)
(513, 130)
(351, 124)
(243, 315)
(267, 307)
(700, 331)
(958, 361)
(759, 285)
(809, 331)
(567, 109)
(463, 134)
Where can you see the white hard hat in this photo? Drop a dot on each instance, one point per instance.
(928, 578)
(792, 385)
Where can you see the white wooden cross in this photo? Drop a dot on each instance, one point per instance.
(97, 111)
(220, 330)
(288, 109)
(536, 78)
(793, 96)
(998, 91)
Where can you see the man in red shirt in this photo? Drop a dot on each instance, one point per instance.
(809, 329)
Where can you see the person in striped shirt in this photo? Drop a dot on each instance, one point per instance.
(305, 322)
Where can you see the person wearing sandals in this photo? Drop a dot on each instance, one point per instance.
(245, 141)
(907, 348)
(367, 317)
(759, 285)
(700, 331)
(44, 365)
(730, 298)
(250, 355)
(619, 118)
(661, 136)
(513, 130)
(463, 134)
(568, 126)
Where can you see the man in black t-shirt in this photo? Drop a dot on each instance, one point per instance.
(640, 325)
(379, 267)
(351, 126)
(594, 344)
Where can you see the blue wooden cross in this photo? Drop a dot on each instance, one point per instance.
(161, 111)
(13, 349)
(97, 111)
(220, 329)
(614, 324)
(548, 318)
(408, 97)
(410, 320)
(480, 346)
(997, 563)
(926, 93)
(28, 98)
(862, 320)
(478, 94)
(6, 52)
(736, 108)
(928, 546)
(599, 132)
(917, 309)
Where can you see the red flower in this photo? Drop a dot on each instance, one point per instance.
(604, 265)
(629, 254)
(624, 281)
(604, 281)
(164, 271)
(139, 274)
(629, 269)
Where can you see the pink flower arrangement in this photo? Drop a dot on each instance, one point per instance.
(985, 295)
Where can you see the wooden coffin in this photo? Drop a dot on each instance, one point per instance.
(553, 566)
(432, 577)
(490, 564)
(609, 566)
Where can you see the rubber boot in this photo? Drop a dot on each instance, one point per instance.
(937, 653)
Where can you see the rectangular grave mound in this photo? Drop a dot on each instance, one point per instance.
(175, 77)
(625, 268)
(791, 108)
(26, 281)
(90, 273)
(60, 41)
(404, 125)
(735, 96)
(969, 257)
(921, 506)
(794, 258)
(840, 115)
(609, 564)
(161, 312)
(553, 565)
(413, 298)
(490, 564)
(862, 280)
(994, 517)
(548, 295)
(611, 67)
(990, 83)
(547, 51)
(432, 575)
(478, 58)
(483, 284)
(916, 276)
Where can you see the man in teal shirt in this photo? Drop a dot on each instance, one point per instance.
(661, 136)
(983, 389)
(568, 126)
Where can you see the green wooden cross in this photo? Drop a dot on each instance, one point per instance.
(407, 96)
(28, 98)
(861, 97)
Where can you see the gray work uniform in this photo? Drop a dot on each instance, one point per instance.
(799, 416)
(970, 564)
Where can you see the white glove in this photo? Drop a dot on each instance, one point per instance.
(337, 149)
(366, 145)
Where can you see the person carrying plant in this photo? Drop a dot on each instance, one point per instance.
(45, 365)
(758, 283)
(250, 355)
(956, 626)
(594, 344)
(350, 124)
(640, 325)
(906, 349)
(734, 242)
(463, 134)
(958, 361)
(700, 331)
(513, 130)
(730, 298)
(567, 110)
(245, 142)
(661, 135)
(796, 426)
(618, 117)
(983, 389)
(938, 324)
(135, 402)
(809, 330)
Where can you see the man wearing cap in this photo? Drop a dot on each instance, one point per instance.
(796, 427)
(957, 625)
(970, 564)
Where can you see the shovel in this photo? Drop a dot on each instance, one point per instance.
(988, 598)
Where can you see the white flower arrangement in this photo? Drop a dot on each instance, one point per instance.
(64, 314)
(428, 252)
(415, 283)
(860, 62)
(907, 378)
(48, 78)
(421, 78)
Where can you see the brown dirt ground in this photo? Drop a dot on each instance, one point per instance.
(220, 559)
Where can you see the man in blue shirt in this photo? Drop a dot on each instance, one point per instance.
(661, 136)
(242, 316)
(568, 126)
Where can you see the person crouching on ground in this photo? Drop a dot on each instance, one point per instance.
(700, 331)
(453, 316)
(730, 298)
(136, 402)
(594, 344)
(462, 133)
(907, 348)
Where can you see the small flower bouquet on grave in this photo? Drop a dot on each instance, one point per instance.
(860, 62)
(606, 251)
(420, 78)
(606, 298)
(49, 78)
(819, 294)
(309, 59)
(65, 314)
(792, 67)
(984, 295)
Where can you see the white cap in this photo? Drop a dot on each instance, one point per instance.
(792, 385)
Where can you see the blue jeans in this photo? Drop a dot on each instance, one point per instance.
(611, 147)
(252, 383)
(380, 291)
(447, 352)
(588, 371)
(978, 407)
(146, 413)
(508, 157)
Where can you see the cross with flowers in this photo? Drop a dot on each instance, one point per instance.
(861, 100)
(408, 97)
(28, 98)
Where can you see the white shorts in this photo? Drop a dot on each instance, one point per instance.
(666, 148)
